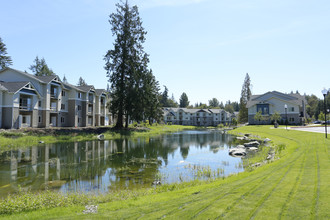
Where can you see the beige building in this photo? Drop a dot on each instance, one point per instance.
(27, 100)
(272, 102)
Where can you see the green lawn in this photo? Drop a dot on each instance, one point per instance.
(294, 187)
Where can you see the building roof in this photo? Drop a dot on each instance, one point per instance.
(23, 73)
(194, 110)
(100, 91)
(70, 86)
(86, 88)
(14, 87)
(46, 79)
(264, 98)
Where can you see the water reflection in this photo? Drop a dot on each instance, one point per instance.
(100, 166)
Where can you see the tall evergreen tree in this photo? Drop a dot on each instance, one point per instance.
(40, 68)
(164, 98)
(245, 96)
(5, 60)
(184, 102)
(214, 103)
(127, 67)
(81, 82)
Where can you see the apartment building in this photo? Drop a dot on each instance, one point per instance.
(197, 117)
(27, 100)
(291, 107)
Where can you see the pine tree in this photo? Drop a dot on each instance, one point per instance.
(127, 67)
(81, 82)
(214, 103)
(5, 60)
(184, 102)
(245, 96)
(40, 68)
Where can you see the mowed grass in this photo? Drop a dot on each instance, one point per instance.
(296, 186)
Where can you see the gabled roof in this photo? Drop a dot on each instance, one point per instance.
(99, 92)
(265, 98)
(69, 86)
(41, 79)
(14, 87)
(86, 88)
(23, 73)
(194, 110)
(47, 79)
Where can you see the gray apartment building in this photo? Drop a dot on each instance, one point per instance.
(197, 117)
(27, 100)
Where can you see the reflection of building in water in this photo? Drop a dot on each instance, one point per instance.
(114, 163)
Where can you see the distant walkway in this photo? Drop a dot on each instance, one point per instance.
(310, 129)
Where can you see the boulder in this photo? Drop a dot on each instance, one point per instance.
(237, 151)
(100, 137)
(252, 144)
(244, 138)
(267, 140)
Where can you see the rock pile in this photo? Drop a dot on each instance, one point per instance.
(89, 209)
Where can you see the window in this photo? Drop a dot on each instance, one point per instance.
(79, 107)
(78, 120)
(24, 120)
(291, 119)
(79, 95)
(39, 119)
(39, 103)
(62, 120)
(292, 109)
(62, 106)
(263, 108)
(63, 93)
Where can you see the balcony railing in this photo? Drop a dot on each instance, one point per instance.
(53, 95)
(53, 108)
(25, 107)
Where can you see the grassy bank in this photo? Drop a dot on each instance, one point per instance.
(292, 187)
(20, 139)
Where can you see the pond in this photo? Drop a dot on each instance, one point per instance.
(102, 166)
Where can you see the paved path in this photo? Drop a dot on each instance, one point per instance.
(311, 129)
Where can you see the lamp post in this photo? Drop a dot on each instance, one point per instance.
(286, 116)
(325, 92)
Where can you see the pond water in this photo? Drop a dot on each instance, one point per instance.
(102, 166)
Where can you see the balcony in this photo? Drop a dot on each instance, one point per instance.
(25, 107)
(90, 99)
(53, 107)
(90, 110)
(53, 96)
(25, 103)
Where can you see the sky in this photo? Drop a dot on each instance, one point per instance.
(204, 48)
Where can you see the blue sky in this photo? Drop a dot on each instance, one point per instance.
(201, 47)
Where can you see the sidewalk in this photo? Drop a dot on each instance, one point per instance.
(310, 129)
